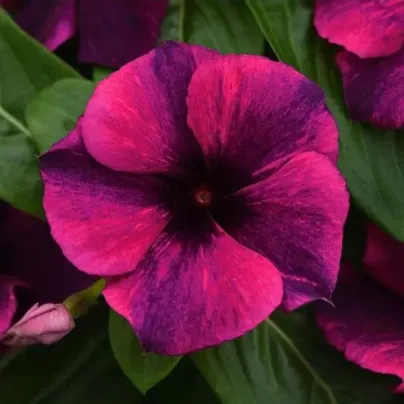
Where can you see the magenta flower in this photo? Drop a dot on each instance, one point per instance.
(372, 64)
(204, 188)
(111, 33)
(33, 262)
(367, 322)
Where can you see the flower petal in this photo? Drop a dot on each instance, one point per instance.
(366, 324)
(195, 288)
(8, 303)
(294, 218)
(139, 113)
(372, 88)
(367, 28)
(249, 112)
(45, 324)
(50, 22)
(114, 33)
(384, 257)
(103, 220)
(29, 253)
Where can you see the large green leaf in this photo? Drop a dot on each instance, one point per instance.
(26, 67)
(226, 25)
(371, 160)
(79, 369)
(285, 360)
(54, 111)
(20, 182)
(143, 369)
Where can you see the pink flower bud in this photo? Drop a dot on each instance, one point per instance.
(44, 324)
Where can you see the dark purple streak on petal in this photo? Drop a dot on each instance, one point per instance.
(103, 220)
(249, 114)
(374, 88)
(136, 119)
(195, 288)
(294, 218)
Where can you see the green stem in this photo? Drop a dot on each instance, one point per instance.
(302, 359)
(17, 124)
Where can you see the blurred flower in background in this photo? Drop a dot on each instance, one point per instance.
(111, 33)
(372, 64)
(367, 323)
(32, 267)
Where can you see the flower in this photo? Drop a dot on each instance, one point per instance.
(44, 324)
(204, 188)
(372, 64)
(31, 261)
(367, 322)
(111, 33)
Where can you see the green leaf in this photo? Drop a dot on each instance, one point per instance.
(226, 25)
(20, 182)
(26, 67)
(100, 73)
(79, 369)
(143, 369)
(370, 159)
(285, 360)
(54, 111)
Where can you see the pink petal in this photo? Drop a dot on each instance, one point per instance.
(366, 324)
(249, 114)
(367, 28)
(103, 220)
(384, 258)
(373, 89)
(45, 324)
(113, 33)
(139, 113)
(8, 302)
(51, 22)
(196, 288)
(295, 218)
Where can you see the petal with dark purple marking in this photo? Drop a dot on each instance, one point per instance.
(384, 258)
(8, 303)
(195, 288)
(368, 28)
(50, 22)
(295, 218)
(112, 33)
(249, 114)
(372, 88)
(103, 220)
(136, 119)
(29, 253)
(366, 324)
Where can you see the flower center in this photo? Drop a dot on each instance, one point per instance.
(203, 196)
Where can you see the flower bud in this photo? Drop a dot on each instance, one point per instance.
(43, 324)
